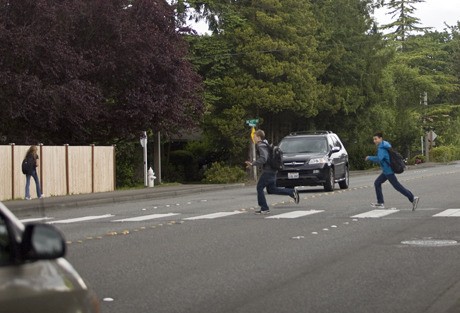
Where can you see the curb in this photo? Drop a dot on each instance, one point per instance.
(79, 201)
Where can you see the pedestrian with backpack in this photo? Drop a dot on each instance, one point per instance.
(383, 158)
(29, 168)
(268, 177)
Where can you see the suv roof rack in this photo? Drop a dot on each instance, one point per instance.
(311, 132)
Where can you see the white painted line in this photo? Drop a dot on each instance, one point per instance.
(449, 213)
(375, 213)
(212, 216)
(296, 214)
(80, 219)
(39, 219)
(145, 217)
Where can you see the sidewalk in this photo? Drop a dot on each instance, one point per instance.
(83, 200)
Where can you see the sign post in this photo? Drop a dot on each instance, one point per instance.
(253, 123)
(143, 141)
(430, 137)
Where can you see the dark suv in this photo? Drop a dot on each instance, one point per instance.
(313, 159)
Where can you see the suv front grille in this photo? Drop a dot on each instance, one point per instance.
(294, 163)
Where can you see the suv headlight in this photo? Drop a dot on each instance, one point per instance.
(322, 160)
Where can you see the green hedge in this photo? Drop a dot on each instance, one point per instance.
(219, 173)
(444, 154)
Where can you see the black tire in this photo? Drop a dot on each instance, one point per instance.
(330, 183)
(346, 182)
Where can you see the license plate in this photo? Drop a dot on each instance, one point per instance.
(293, 175)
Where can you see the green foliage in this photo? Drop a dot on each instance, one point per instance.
(406, 22)
(128, 164)
(182, 167)
(445, 120)
(444, 154)
(420, 158)
(219, 173)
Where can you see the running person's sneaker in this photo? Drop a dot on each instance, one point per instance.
(415, 203)
(296, 196)
(262, 212)
(378, 205)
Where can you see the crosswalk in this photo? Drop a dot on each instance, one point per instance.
(373, 214)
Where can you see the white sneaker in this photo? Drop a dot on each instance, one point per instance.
(415, 203)
(378, 205)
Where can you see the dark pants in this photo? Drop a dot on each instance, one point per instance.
(37, 184)
(268, 180)
(396, 185)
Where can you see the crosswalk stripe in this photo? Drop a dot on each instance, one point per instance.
(295, 214)
(449, 212)
(288, 215)
(39, 219)
(212, 216)
(375, 214)
(80, 219)
(145, 217)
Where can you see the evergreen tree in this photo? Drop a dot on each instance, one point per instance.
(406, 22)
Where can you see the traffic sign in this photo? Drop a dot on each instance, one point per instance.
(432, 136)
(252, 122)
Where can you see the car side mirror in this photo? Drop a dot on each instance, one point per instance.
(334, 150)
(42, 242)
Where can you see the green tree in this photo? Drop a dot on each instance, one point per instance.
(406, 22)
(295, 65)
(260, 62)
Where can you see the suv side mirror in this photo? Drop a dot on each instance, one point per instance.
(42, 242)
(334, 150)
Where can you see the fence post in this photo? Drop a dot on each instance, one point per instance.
(67, 182)
(92, 168)
(114, 167)
(12, 170)
(41, 167)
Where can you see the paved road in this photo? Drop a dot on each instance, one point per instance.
(208, 252)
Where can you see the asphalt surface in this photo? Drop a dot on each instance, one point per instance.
(157, 192)
(83, 200)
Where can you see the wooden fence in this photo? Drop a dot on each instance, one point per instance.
(62, 170)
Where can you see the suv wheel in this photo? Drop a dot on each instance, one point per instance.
(346, 182)
(329, 184)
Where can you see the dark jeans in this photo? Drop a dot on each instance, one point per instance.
(268, 180)
(37, 184)
(396, 185)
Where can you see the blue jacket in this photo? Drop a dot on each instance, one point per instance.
(382, 157)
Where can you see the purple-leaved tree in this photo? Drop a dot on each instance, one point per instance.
(84, 71)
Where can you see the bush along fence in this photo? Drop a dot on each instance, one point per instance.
(62, 170)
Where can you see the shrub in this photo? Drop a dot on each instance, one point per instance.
(219, 173)
(420, 158)
(442, 154)
(182, 167)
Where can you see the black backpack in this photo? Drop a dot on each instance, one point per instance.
(397, 163)
(28, 165)
(275, 157)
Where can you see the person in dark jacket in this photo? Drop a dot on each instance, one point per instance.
(383, 158)
(268, 177)
(32, 156)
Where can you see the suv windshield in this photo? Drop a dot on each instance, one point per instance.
(304, 145)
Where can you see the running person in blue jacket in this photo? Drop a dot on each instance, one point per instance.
(383, 158)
